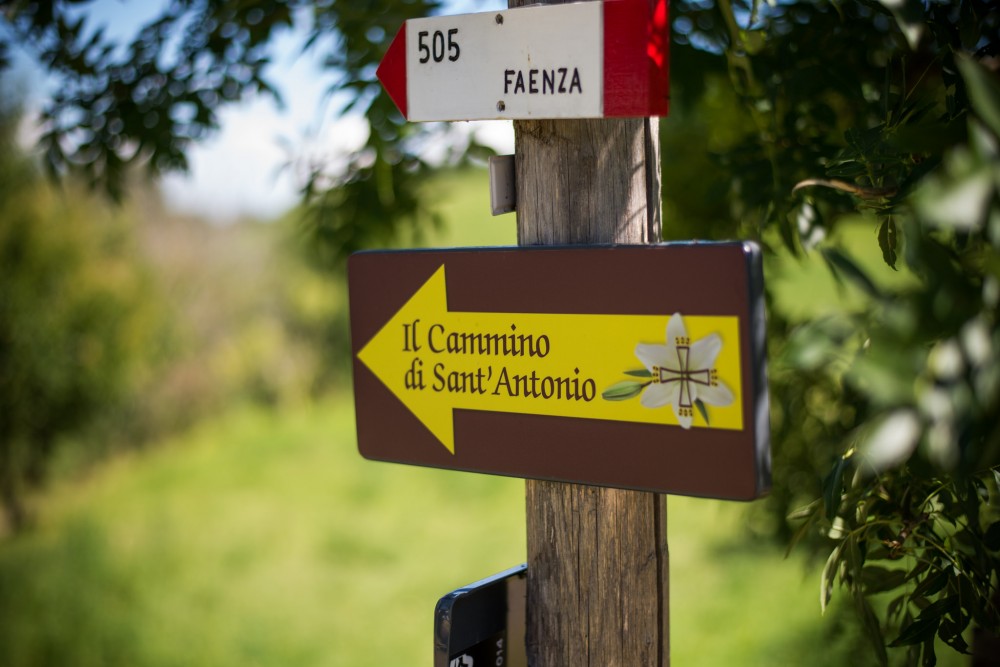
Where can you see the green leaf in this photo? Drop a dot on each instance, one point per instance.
(919, 568)
(855, 561)
(871, 626)
(972, 600)
(833, 487)
(878, 579)
(951, 634)
(943, 606)
(807, 513)
(826, 579)
(887, 241)
(991, 538)
(623, 390)
(918, 631)
(640, 373)
(701, 409)
(983, 90)
(930, 658)
(842, 265)
(929, 621)
(804, 512)
(787, 231)
(931, 584)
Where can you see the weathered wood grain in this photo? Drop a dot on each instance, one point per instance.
(597, 558)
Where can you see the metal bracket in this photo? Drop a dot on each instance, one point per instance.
(503, 185)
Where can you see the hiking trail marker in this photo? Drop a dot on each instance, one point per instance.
(637, 367)
(577, 60)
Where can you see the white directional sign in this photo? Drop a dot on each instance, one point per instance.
(579, 60)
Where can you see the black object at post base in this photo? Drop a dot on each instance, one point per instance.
(483, 623)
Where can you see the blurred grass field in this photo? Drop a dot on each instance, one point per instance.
(261, 537)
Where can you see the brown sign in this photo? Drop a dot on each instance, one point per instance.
(637, 367)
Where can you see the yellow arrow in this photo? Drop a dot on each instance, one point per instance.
(612, 367)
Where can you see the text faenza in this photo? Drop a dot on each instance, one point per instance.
(555, 81)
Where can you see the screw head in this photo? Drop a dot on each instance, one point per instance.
(499, 19)
(501, 106)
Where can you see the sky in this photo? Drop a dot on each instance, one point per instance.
(243, 170)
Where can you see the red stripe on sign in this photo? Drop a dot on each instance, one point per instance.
(392, 70)
(636, 58)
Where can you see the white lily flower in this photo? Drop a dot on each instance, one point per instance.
(683, 372)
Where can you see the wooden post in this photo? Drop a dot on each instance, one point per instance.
(597, 558)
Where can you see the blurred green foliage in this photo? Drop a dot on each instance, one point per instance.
(77, 327)
(120, 324)
(819, 116)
